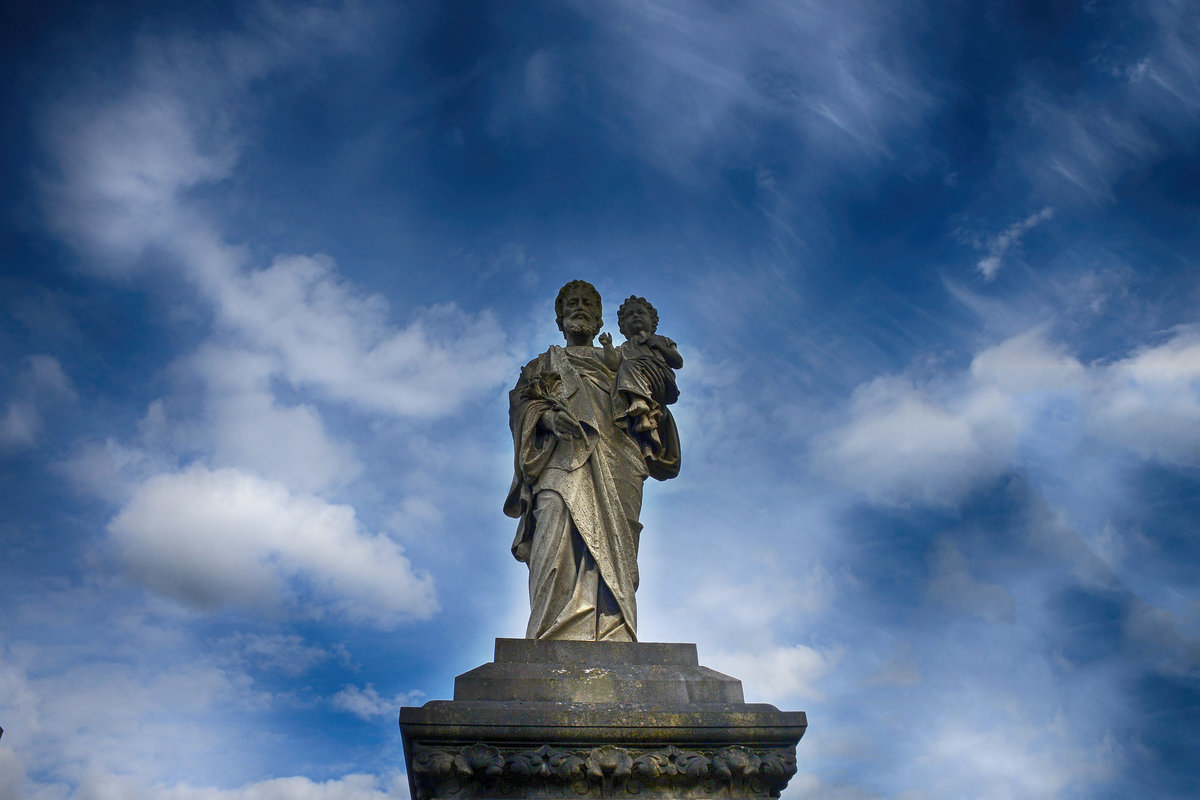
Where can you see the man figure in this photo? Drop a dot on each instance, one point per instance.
(577, 487)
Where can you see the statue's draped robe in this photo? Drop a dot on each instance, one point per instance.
(578, 501)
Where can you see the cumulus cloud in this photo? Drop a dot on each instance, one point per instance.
(1027, 363)
(367, 704)
(212, 538)
(122, 167)
(336, 340)
(780, 672)
(109, 469)
(1150, 401)
(250, 428)
(903, 442)
(998, 245)
(905, 439)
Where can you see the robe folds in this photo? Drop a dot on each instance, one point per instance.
(578, 500)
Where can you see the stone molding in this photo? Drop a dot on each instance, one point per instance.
(607, 771)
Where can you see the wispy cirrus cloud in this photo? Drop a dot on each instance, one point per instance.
(688, 82)
(1075, 144)
(998, 246)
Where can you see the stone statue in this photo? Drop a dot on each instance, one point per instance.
(589, 424)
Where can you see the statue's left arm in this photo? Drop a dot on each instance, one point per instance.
(532, 448)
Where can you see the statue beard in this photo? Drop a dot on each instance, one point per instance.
(580, 324)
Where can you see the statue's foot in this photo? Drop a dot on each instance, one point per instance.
(637, 406)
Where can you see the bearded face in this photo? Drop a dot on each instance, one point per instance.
(580, 314)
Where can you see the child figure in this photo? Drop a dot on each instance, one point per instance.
(645, 366)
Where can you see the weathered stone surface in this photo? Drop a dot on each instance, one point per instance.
(596, 672)
(589, 425)
(590, 653)
(484, 771)
(598, 719)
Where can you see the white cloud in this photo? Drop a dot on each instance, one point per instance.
(251, 429)
(336, 340)
(41, 386)
(109, 470)
(128, 158)
(933, 441)
(123, 168)
(367, 704)
(100, 716)
(1009, 760)
(1027, 363)
(902, 442)
(120, 786)
(103, 697)
(12, 775)
(221, 537)
(809, 786)
(1000, 244)
(785, 674)
(1150, 401)
(129, 144)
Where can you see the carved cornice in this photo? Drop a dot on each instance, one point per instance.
(485, 771)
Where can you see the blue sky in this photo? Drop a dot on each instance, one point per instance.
(269, 273)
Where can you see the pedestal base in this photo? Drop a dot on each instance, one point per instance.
(551, 719)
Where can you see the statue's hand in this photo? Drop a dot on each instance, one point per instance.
(562, 425)
(606, 340)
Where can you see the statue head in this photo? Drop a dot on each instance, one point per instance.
(578, 310)
(636, 315)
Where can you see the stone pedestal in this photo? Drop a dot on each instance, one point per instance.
(558, 719)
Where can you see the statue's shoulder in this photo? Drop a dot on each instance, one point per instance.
(537, 365)
(542, 361)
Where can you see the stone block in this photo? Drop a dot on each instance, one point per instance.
(598, 719)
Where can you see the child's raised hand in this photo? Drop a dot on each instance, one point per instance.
(606, 340)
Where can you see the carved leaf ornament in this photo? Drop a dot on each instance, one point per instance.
(481, 770)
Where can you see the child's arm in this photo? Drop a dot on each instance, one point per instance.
(669, 351)
(612, 358)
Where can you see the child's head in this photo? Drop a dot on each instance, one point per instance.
(636, 315)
